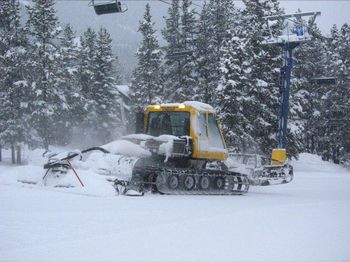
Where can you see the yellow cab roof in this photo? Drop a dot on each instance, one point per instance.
(185, 106)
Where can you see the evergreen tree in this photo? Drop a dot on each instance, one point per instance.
(188, 86)
(232, 92)
(180, 66)
(47, 99)
(86, 76)
(147, 77)
(306, 95)
(249, 85)
(265, 64)
(14, 99)
(205, 68)
(86, 66)
(216, 19)
(99, 87)
(118, 76)
(67, 73)
(335, 138)
(172, 68)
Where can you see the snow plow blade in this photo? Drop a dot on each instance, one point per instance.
(259, 174)
(274, 175)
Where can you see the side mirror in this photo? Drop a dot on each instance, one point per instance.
(139, 128)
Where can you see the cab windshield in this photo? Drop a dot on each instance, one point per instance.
(168, 123)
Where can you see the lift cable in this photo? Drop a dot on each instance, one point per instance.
(163, 1)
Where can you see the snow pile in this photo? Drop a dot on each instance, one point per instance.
(314, 163)
(109, 164)
(93, 184)
(199, 106)
(32, 174)
(127, 148)
(233, 164)
(123, 89)
(166, 138)
(138, 137)
(287, 38)
(167, 149)
(93, 168)
(10, 175)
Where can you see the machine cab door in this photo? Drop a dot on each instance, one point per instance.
(210, 142)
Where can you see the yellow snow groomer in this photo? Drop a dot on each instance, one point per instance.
(188, 153)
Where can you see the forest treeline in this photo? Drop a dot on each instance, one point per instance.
(56, 86)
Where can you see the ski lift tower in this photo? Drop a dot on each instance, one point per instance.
(294, 33)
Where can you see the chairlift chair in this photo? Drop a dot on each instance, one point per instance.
(324, 80)
(110, 7)
(179, 54)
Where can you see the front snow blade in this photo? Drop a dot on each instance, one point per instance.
(274, 175)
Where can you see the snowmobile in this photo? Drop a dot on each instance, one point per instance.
(187, 154)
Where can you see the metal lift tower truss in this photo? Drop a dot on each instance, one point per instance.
(295, 33)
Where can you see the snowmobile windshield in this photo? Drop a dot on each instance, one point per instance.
(168, 123)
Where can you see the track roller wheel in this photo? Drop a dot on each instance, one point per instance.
(219, 183)
(173, 182)
(189, 182)
(152, 179)
(204, 182)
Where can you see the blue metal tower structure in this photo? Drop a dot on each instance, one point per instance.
(290, 40)
(284, 87)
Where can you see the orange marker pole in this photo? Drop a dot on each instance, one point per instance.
(75, 173)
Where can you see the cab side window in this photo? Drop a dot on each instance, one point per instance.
(202, 125)
(215, 139)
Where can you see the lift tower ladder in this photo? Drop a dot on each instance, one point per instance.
(295, 32)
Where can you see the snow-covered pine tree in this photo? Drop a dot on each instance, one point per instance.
(203, 63)
(332, 56)
(119, 76)
(179, 68)
(14, 90)
(232, 92)
(344, 92)
(265, 64)
(86, 66)
(252, 79)
(68, 82)
(216, 18)
(172, 68)
(106, 115)
(147, 77)
(310, 60)
(48, 100)
(335, 136)
(85, 77)
(188, 86)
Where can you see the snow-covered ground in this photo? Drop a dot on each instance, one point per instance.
(308, 219)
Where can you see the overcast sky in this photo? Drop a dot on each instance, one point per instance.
(333, 11)
(123, 27)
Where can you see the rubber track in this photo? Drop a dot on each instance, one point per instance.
(235, 183)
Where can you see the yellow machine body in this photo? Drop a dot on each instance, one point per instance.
(204, 130)
(279, 157)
